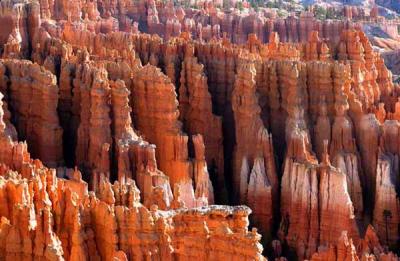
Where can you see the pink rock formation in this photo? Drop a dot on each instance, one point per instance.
(161, 127)
(255, 180)
(346, 250)
(37, 121)
(195, 109)
(317, 117)
(66, 221)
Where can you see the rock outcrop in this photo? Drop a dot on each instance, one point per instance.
(195, 108)
(49, 218)
(32, 100)
(115, 144)
(156, 117)
(254, 176)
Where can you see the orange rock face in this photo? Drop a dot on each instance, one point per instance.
(116, 144)
(49, 218)
(36, 121)
(195, 107)
(156, 113)
(255, 179)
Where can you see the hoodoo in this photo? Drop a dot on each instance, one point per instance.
(208, 130)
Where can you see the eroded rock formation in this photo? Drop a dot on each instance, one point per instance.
(48, 218)
(254, 176)
(195, 108)
(200, 112)
(156, 114)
